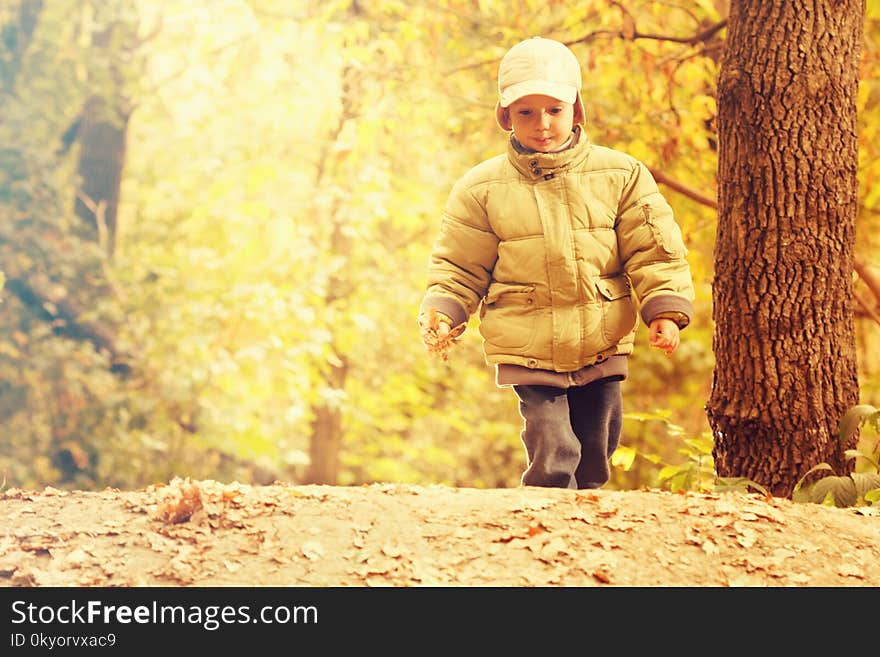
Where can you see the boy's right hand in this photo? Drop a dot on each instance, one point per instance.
(665, 335)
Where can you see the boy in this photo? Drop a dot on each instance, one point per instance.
(559, 244)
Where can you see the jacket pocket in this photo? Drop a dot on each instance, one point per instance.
(618, 309)
(508, 316)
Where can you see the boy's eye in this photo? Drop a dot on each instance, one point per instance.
(555, 110)
(525, 112)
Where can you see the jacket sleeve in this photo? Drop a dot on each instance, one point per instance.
(652, 250)
(463, 257)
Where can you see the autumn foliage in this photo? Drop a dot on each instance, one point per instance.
(254, 301)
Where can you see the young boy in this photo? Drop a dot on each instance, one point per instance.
(559, 244)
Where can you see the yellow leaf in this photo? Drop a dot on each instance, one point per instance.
(623, 458)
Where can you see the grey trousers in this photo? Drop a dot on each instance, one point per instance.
(570, 433)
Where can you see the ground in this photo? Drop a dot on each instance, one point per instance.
(204, 533)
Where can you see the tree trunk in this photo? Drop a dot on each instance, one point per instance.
(784, 340)
(17, 24)
(327, 427)
(327, 430)
(101, 159)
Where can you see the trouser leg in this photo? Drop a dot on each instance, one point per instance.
(553, 450)
(596, 413)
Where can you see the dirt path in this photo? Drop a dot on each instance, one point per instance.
(203, 533)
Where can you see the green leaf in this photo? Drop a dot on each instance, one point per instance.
(841, 491)
(854, 418)
(865, 482)
(795, 496)
(858, 454)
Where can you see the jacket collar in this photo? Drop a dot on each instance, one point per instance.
(534, 165)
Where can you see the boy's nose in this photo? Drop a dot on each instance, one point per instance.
(545, 120)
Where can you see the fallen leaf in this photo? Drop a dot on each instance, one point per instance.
(179, 501)
(312, 550)
(726, 505)
(781, 554)
(49, 491)
(584, 518)
(746, 536)
(767, 512)
(553, 548)
(851, 570)
(76, 557)
(463, 532)
(744, 580)
(622, 525)
(536, 528)
(392, 551)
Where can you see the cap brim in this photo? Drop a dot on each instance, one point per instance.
(564, 92)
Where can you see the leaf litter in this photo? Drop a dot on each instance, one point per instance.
(207, 533)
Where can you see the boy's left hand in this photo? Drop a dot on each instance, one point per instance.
(665, 335)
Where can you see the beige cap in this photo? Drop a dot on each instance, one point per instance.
(539, 66)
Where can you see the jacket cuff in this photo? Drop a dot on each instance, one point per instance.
(446, 305)
(669, 306)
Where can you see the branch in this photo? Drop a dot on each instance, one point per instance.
(628, 33)
(54, 305)
(631, 33)
(699, 37)
(867, 307)
(681, 188)
(871, 279)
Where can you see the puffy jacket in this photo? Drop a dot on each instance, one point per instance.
(559, 252)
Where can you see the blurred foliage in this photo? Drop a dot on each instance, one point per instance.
(285, 168)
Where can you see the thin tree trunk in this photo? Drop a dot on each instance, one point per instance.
(327, 426)
(784, 339)
(102, 136)
(326, 433)
(18, 24)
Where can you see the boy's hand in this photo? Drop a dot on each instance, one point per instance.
(437, 334)
(665, 335)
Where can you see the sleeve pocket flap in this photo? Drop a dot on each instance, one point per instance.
(613, 288)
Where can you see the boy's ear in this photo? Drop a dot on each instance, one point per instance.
(580, 116)
(502, 115)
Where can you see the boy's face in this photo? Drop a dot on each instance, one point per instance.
(541, 123)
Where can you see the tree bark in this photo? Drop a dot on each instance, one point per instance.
(784, 340)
